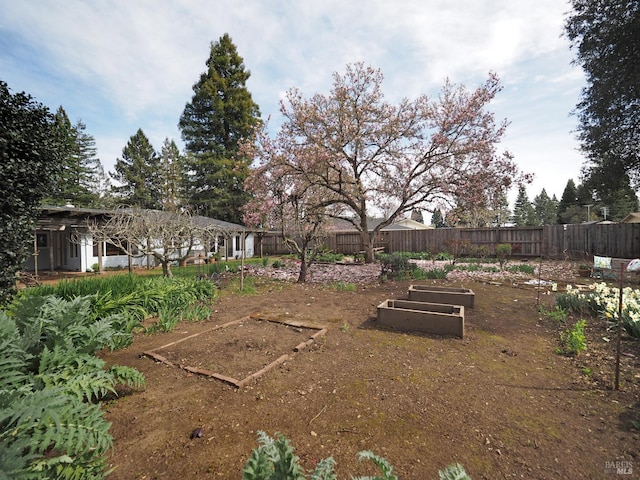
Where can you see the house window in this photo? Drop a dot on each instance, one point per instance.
(108, 250)
(74, 250)
(238, 245)
(42, 240)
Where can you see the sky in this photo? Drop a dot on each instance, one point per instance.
(121, 65)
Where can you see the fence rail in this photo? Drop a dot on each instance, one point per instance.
(550, 241)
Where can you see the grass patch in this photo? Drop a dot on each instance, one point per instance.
(343, 286)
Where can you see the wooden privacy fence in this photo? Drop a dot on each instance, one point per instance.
(579, 241)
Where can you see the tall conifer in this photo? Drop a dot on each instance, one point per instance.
(220, 115)
(138, 174)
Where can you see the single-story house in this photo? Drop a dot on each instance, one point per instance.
(64, 242)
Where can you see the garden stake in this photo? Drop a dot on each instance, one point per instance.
(539, 284)
(619, 327)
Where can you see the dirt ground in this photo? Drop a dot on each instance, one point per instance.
(500, 401)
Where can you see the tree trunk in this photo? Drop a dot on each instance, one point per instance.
(166, 268)
(302, 276)
(367, 245)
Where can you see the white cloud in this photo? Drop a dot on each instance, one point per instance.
(122, 65)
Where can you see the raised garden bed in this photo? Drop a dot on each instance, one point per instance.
(451, 296)
(432, 318)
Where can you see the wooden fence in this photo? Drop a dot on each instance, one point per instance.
(550, 241)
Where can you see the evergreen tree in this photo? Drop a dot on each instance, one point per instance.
(173, 176)
(437, 220)
(605, 35)
(104, 189)
(82, 172)
(219, 117)
(139, 175)
(621, 201)
(545, 209)
(523, 212)
(31, 159)
(416, 215)
(568, 207)
(500, 210)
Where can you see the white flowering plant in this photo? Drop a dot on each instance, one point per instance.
(603, 302)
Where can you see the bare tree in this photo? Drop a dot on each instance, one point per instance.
(282, 200)
(166, 236)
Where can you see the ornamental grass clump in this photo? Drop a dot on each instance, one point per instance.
(130, 299)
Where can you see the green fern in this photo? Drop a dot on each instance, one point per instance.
(324, 470)
(454, 472)
(76, 374)
(48, 423)
(258, 466)
(127, 376)
(274, 460)
(382, 463)
(48, 371)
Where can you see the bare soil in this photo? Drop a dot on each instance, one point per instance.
(501, 401)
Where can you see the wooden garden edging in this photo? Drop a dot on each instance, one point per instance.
(153, 353)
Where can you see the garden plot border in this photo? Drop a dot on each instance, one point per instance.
(321, 331)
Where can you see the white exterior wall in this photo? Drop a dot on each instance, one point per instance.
(78, 255)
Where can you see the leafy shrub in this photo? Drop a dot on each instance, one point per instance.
(443, 256)
(490, 269)
(394, 265)
(277, 264)
(503, 251)
(573, 341)
(274, 459)
(327, 256)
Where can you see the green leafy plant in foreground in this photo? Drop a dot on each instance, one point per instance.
(50, 378)
(573, 340)
(558, 313)
(275, 459)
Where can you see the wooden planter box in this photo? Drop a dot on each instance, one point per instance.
(451, 296)
(432, 318)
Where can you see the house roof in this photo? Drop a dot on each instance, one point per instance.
(340, 225)
(220, 223)
(632, 218)
(54, 217)
(411, 224)
(57, 218)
